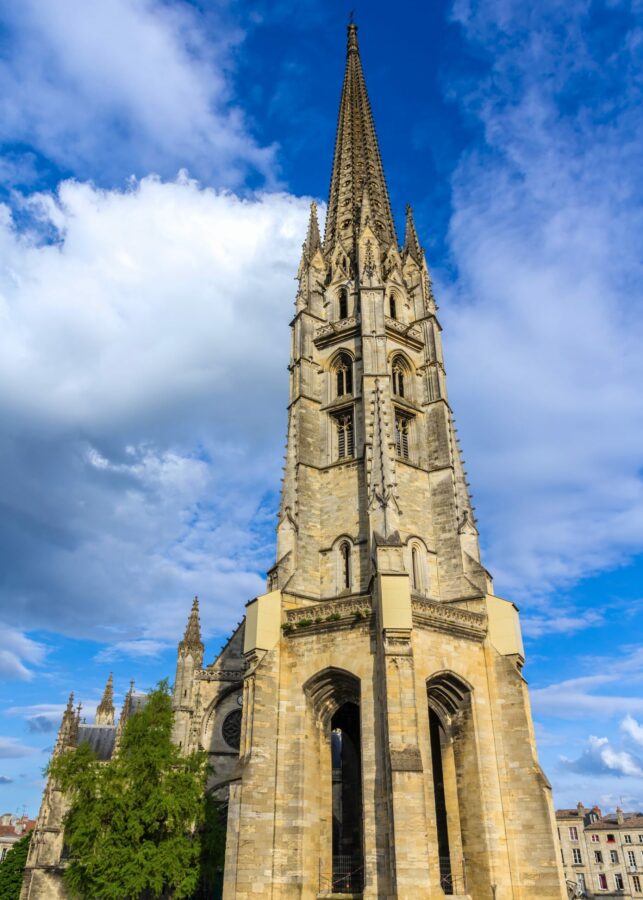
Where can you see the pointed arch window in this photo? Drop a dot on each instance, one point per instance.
(343, 301)
(392, 306)
(400, 372)
(344, 374)
(345, 561)
(402, 435)
(416, 577)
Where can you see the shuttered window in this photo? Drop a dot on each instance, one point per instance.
(402, 429)
(345, 435)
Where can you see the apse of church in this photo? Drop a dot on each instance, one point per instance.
(368, 722)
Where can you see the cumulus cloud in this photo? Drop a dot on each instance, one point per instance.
(10, 748)
(120, 87)
(142, 379)
(5, 780)
(633, 729)
(544, 324)
(600, 757)
(17, 653)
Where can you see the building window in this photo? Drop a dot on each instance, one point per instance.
(636, 883)
(598, 857)
(610, 839)
(402, 429)
(573, 833)
(580, 881)
(392, 306)
(399, 376)
(231, 729)
(345, 436)
(627, 838)
(343, 303)
(562, 857)
(345, 553)
(631, 857)
(344, 374)
(416, 579)
(640, 838)
(602, 882)
(618, 882)
(614, 856)
(595, 839)
(576, 856)
(347, 846)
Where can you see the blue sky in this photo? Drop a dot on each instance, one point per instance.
(157, 163)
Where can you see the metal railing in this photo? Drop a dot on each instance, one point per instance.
(348, 877)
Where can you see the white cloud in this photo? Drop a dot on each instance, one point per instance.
(10, 748)
(143, 380)
(601, 757)
(143, 648)
(633, 729)
(107, 89)
(17, 653)
(577, 698)
(537, 626)
(544, 327)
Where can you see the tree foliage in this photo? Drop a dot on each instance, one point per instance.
(12, 868)
(134, 825)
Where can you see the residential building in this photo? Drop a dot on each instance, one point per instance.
(602, 855)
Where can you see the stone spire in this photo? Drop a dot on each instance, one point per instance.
(357, 165)
(105, 710)
(191, 642)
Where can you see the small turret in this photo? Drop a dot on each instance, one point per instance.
(105, 710)
(189, 660)
(68, 732)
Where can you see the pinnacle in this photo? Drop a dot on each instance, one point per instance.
(192, 636)
(313, 240)
(411, 242)
(105, 709)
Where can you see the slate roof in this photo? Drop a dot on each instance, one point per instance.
(101, 739)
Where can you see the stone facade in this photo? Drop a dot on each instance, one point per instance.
(602, 856)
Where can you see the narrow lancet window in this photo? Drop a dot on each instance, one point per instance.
(345, 551)
(344, 375)
(415, 569)
(392, 306)
(343, 303)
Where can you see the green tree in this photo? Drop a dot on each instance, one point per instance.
(12, 869)
(133, 829)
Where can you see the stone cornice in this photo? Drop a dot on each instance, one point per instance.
(409, 334)
(331, 331)
(328, 614)
(447, 617)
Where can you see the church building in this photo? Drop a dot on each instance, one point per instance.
(368, 723)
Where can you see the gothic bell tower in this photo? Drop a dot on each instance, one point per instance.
(386, 746)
